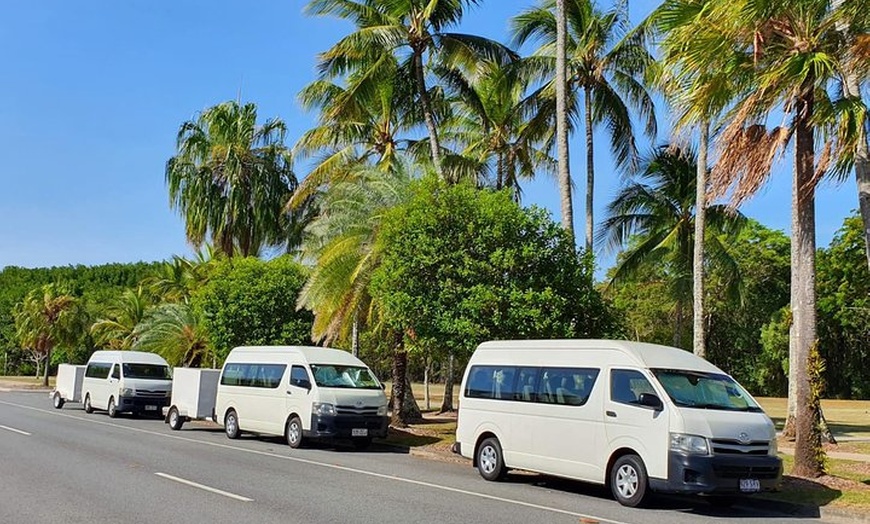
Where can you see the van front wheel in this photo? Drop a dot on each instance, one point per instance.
(112, 409)
(294, 432)
(490, 461)
(628, 481)
(231, 425)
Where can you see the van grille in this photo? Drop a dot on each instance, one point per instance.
(353, 410)
(745, 472)
(147, 393)
(734, 447)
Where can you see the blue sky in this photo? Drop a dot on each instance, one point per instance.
(94, 92)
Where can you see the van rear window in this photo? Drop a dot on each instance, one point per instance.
(545, 385)
(253, 375)
(98, 370)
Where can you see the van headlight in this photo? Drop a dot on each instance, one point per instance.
(772, 448)
(691, 444)
(322, 408)
(382, 411)
(128, 392)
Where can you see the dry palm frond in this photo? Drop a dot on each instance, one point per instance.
(747, 155)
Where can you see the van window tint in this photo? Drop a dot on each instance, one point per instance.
(253, 375)
(337, 376)
(626, 386)
(98, 370)
(297, 375)
(116, 372)
(147, 371)
(547, 385)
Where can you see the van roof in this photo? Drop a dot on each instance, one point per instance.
(645, 355)
(312, 355)
(140, 357)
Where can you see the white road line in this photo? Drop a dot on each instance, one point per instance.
(204, 487)
(7, 428)
(327, 465)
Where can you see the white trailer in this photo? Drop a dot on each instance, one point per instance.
(68, 386)
(193, 395)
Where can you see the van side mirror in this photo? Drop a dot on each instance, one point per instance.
(651, 401)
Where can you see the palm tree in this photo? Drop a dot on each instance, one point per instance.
(653, 215)
(562, 132)
(116, 331)
(411, 31)
(48, 317)
(604, 68)
(231, 178)
(175, 332)
(786, 57)
(494, 125)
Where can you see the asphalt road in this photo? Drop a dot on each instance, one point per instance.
(64, 466)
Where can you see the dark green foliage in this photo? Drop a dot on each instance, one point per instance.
(251, 302)
(462, 265)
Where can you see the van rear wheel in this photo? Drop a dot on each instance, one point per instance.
(628, 481)
(88, 407)
(294, 432)
(57, 400)
(231, 425)
(490, 460)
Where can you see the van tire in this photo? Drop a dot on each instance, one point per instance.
(628, 481)
(57, 400)
(88, 407)
(293, 432)
(175, 419)
(112, 408)
(490, 460)
(231, 425)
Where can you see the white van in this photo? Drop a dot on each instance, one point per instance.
(637, 417)
(126, 382)
(300, 393)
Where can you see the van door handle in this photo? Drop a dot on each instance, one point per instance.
(289, 392)
(610, 414)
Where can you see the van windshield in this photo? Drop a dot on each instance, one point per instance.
(333, 376)
(702, 390)
(147, 371)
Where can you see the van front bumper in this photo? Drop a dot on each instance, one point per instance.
(347, 426)
(142, 405)
(719, 474)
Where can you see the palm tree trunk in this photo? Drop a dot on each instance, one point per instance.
(808, 447)
(562, 119)
(427, 399)
(447, 403)
(699, 343)
(47, 365)
(678, 324)
(434, 146)
(354, 334)
(400, 370)
(590, 169)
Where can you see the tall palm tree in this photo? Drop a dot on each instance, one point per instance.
(48, 317)
(493, 124)
(562, 132)
(116, 330)
(412, 31)
(175, 332)
(789, 56)
(653, 216)
(606, 68)
(230, 179)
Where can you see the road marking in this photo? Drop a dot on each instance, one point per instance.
(204, 487)
(7, 428)
(325, 465)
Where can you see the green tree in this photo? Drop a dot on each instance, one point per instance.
(48, 317)
(657, 206)
(116, 329)
(411, 31)
(175, 332)
(230, 179)
(602, 65)
(250, 302)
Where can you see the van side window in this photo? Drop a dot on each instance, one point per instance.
(627, 385)
(495, 382)
(298, 374)
(98, 370)
(253, 375)
(116, 372)
(527, 384)
(568, 386)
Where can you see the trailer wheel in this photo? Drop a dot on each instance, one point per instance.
(112, 409)
(175, 420)
(58, 400)
(88, 407)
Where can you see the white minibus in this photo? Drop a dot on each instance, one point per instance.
(636, 417)
(300, 393)
(126, 382)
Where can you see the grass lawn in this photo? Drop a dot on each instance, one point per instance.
(26, 382)
(849, 418)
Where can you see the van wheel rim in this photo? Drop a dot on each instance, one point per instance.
(488, 459)
(626, 481)
(173, 418)
(294, 432)
(231, 424)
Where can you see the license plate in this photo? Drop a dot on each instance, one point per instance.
(150, 408)
(750, 485)
(359, 432)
